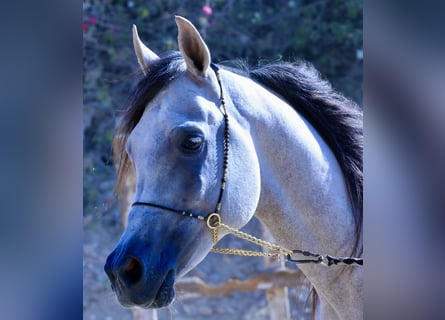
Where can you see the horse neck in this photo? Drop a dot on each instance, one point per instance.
(304, 200)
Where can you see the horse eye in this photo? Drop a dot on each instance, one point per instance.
(192, 143)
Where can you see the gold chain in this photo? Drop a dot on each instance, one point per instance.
(217, 224)
(246, 253)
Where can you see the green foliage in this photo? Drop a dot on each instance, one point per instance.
(326, 33)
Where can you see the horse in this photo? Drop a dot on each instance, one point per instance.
(210, 145)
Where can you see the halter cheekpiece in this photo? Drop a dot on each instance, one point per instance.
(214, 223)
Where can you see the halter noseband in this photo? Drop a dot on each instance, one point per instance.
(212, 218)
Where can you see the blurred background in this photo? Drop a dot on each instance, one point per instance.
(44, 126)
(325, 33)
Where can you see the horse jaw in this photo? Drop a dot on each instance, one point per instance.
(193, 48)
(144, 55)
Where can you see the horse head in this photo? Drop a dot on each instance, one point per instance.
(176, 147)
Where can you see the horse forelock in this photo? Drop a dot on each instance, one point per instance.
(161, 72)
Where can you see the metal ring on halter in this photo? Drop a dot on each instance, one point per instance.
(213, 221)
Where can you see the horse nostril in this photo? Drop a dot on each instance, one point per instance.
(132, 271)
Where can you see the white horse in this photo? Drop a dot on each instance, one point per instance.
(277, 142)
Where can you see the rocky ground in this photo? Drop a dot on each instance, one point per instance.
(100, 235)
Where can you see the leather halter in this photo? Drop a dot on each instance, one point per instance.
(212, 217)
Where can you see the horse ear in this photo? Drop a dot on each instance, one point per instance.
(145, 56)
(192, 47)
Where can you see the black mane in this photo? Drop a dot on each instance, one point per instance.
(161, 73)
(338, 120)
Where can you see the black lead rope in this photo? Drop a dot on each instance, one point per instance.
(325, 259)
(214, 220)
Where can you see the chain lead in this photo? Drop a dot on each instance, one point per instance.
(277, 251)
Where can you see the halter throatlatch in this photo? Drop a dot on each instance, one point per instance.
(213, 220)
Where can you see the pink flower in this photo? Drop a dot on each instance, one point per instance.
(85, 26)
(93, 20)
(207, 10)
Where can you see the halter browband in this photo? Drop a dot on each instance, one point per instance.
(217, 210)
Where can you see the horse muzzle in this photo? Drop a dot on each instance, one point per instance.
(146, 283)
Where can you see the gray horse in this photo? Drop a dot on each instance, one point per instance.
(277, 142)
